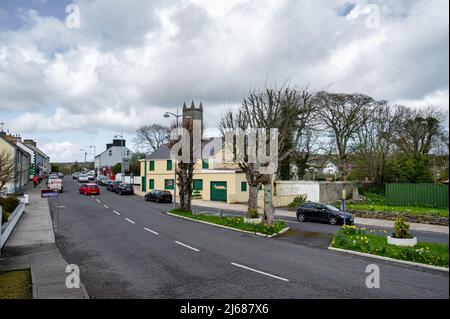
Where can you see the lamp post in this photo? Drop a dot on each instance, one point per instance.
(95, 172)
(177, 116)
(85, 154)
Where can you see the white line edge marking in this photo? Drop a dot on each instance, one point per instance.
(184, 245)
(129, 220)
(151, 231)
(117, 213)
(259, 272)
(105, 206)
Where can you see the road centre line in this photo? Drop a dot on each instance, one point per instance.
(105, 206)
(151, 231)
(129, 220)
(187, 246)
(117, 213)
(259, 272)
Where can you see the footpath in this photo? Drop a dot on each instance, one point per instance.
(32, 246)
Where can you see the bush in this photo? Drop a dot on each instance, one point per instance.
(252, 213)
(401, 229)
(298, 200)
(8, 204)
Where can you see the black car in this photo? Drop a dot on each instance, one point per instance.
(111, 186)
(124, 189)
(159, 196)
(322, 213)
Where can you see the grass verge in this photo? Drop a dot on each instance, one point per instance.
(234, 222)
(412, 210)
(15, 284)
(359, 239)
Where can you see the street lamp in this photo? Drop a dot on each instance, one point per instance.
(177, 116)
(95, 172)
(85, 154)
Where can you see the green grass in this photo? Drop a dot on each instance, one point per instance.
(377, 202)
(371, 242)
(234, 222)
(15, 284)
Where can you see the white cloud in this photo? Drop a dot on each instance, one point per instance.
(130, 61)
(62, 151)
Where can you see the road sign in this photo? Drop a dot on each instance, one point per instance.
(49, 193)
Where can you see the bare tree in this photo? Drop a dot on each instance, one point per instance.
(344, 115)
(7, 171)
(150, 137)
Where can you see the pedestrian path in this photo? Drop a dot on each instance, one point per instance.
(32, 246)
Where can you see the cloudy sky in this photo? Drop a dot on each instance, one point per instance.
(130, 61)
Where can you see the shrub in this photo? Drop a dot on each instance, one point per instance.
(252, 213)
(401, 229)
(298, 200)
(8, 204)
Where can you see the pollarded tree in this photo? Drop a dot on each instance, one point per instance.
(150, 137)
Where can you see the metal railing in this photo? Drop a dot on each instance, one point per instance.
(7, 228)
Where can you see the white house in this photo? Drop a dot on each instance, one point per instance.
(330, 169)
(115, 153)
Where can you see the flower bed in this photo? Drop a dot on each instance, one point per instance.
(234, 222)
(375, 242)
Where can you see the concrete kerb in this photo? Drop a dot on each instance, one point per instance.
(405, 262)
(231, 228)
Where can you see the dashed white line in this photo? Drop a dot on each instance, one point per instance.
(105, 206)
(129, 220)
(259, 272)
(187, 246)
(151, 231)
(117, 213)
(98, 201)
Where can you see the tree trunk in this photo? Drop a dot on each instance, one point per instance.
(253, 196)
(269, 209)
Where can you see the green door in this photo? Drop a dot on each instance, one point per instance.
(144, 184)
(219, 191)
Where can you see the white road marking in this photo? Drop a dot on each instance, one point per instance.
(129, 220)
(259, 272)
(184, 245)
(117, 213)
(105, 206)
(151, 231)
(98, 201)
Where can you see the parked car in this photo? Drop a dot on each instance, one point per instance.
(61, 175)
(91, 176)
(111, 186)
(75, 175)
(83, 178)
(322, 213)
(159, 196)
(102, 180)
(124, 189)
(89, 189)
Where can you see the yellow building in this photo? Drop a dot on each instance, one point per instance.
(212, 180)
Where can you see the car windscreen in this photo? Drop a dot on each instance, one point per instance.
(332, 208)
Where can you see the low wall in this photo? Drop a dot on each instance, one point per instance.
(422, 219)
(331, 192)
(296, 188)
(278, 200)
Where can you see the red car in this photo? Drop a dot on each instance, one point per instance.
(90, 189)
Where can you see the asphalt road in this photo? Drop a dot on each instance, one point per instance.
(128, 248)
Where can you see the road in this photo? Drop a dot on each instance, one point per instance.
(128, 248)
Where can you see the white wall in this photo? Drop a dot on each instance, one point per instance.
(310, 188)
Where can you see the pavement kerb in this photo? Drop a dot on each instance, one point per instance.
(231, 228)
(405, 262)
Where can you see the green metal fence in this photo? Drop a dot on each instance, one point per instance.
(426, 195)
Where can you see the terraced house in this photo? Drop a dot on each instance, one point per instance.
(212, 180)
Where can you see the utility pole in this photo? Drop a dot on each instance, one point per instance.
(95, 172)
(85, 155)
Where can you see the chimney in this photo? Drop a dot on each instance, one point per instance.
(119, 142)
(29, 142)
(108, 146)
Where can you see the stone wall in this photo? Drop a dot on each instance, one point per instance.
(423, 219)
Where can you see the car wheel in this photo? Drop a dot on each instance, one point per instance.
(333, 220)
(120, 193)
(157, 200)
(301, 217)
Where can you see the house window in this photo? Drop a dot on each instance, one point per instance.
(152, 165)
(168, 184)
(205, 164)
(110, 152)
(169, 165)
(152, 184)
(198, 184)
(128, 153)
(243, 186)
